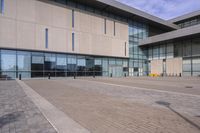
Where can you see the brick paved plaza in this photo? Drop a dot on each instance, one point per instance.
(102, 105)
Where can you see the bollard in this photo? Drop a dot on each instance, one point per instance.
(49, 76)
(74, 76)
(111, 75)
(93, 75)
(124, 74)
(20, 77)
(180, 75)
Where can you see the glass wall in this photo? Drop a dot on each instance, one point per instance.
(41, 64)
(138, 56)
(188, 49)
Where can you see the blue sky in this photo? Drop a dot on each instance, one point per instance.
(165, 9)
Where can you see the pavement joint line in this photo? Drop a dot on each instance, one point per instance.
(58, 119)
(140, 88)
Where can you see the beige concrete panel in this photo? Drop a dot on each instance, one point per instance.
(101, 45)
(174, 66)
(25, 35)
(40, 38)
(85, 22)
(157, 67)
(109, 28)
(85, 44)
(7, 33)
(69, 18)
(117, 29)
(26, 10)
(69, 41)
(97, 25)
(60, 17)
(118, 48)
(77, 20)
(59, 40)
(44, 13)
(10, 8)
(123, 31)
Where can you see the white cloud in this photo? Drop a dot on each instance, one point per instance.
(165, 9)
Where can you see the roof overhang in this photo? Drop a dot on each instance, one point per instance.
(184, 17)
(136, 14)
(173, 35)
(112, 6)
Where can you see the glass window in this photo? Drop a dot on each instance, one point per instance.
(196, 47)
(187, 65)
(71, 59)
(72, 18)
(170, 48)
(98, 64)
(71, 63)
(23, 61)
(114, 28)
(89, 64)
(187, 48)
(37, 64)
(8, 60)
(111, 61)
(105, 26)
(73, 41)
(196, 64)
(97, 61)
(150, 55)
(178, 50)
(61, 63)
(105, 64)
(1, 6)
(46, 38)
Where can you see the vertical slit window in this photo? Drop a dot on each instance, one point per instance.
(125, 49)
(72, 18)
(73, 41)
(105, 26)
(114, 29)
(46, 38)
(1, 6)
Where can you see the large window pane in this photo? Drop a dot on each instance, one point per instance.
(196, 47)
(8, 63)
(8, 60)
(61, 65)
(24, 61)
(37, 64)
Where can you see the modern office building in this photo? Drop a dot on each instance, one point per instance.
(94, 37)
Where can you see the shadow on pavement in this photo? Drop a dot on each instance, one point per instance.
(10, 118)
(166, 104)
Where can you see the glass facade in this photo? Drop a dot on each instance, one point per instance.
(40, 64)
(188, 49)
(189, 22)
(138, 56)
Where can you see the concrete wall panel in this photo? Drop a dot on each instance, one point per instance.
(25, 35)
(7, 33)
(26, 10)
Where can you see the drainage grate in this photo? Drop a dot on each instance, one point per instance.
(188, 86)
(163, 103)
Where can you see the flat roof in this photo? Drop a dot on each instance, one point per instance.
(118, 8)
(184, 17)
(181, 33)
(139, 13)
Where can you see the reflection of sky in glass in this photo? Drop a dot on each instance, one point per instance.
(8, 62)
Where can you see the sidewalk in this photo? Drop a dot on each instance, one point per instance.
(18, 114)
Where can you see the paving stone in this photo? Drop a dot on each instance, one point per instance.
(116, 106)
(18, 114)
